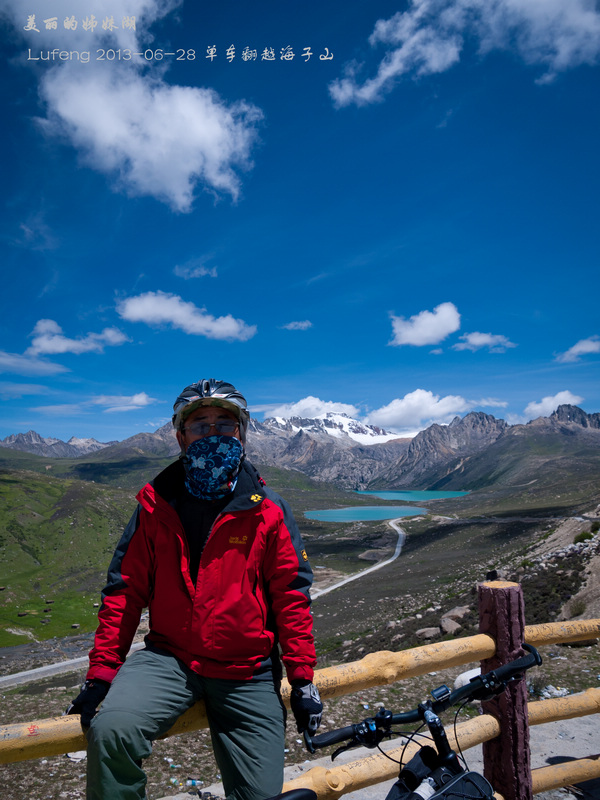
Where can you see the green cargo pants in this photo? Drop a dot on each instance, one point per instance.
(151, 690)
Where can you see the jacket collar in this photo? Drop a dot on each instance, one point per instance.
(249, 491)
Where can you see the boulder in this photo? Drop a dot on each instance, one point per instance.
(464, 678)
(457, 613)
(427, 633)
(449, 625)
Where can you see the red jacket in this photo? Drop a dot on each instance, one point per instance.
(252, 589)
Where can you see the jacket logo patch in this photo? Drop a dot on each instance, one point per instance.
(238, 539)
(256, 498)
(304, 556)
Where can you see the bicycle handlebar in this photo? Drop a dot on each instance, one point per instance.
(332, 737)
(370, 731)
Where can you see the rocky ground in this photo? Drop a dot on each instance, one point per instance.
(562, 538)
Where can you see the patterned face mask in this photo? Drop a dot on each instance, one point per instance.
(212, 465)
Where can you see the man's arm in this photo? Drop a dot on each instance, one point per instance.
(289, 578)
(125, 595)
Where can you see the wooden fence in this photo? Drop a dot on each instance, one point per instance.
(502, 728)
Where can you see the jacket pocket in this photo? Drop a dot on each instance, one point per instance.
(259, 596)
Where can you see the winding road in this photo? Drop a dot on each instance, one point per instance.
(393, 523)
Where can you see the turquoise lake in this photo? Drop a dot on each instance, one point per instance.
(364, 513)
(410, 496)
(369, 513)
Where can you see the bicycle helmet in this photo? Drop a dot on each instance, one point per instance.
(211, 392)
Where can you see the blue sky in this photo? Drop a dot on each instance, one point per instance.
(399, 222)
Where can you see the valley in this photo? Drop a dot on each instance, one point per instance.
(60, 518)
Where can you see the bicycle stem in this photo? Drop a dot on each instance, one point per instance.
(448, 757)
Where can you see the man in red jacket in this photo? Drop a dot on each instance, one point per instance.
(218, 560)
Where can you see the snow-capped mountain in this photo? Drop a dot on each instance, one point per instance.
(338, 425)
(331, 447)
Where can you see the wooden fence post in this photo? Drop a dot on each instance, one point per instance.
(506, 759)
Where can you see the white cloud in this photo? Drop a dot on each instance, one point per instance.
(162, 308)
(124, 402)
(37, 234)
(304, 325)
(28, 365)
(10, 390)
(153, 138)
(48, 339)
(112, 402)
(311, 407)
(194, 269)
(581, 348)
(549, 404)
(316, 278)
(429, 36)
(60, 410)
(495, 342)
(491, 402)
(417, 410)
(427, 327)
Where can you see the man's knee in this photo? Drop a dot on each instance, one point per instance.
(115, 732)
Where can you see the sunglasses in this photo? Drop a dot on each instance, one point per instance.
(227, 427)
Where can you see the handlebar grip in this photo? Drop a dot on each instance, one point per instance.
(406, 717)
(507, 671)
(333, 737)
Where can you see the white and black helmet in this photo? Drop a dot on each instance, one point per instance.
(211, 392)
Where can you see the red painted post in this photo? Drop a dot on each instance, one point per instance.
(506, 759)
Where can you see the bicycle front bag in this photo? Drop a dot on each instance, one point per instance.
(466, 786)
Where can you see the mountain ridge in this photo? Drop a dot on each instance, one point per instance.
(567, 443)
(438, 445)
(32, 442)
(471, 451)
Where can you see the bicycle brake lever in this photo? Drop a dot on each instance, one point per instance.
(343, 749)
(308, 742)
(369, 738)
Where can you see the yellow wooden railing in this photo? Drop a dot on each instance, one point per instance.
(58, 735)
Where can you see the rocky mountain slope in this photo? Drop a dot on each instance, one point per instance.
(439, 446)
(560, 449)
(480, 451)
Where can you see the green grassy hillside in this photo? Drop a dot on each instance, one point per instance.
(56, 537)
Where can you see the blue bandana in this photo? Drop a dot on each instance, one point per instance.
(212, 465)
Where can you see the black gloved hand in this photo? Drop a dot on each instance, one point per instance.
(307, 707)
(87, 701)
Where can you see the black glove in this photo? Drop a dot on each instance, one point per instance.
(307, 707)
(87, 701)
